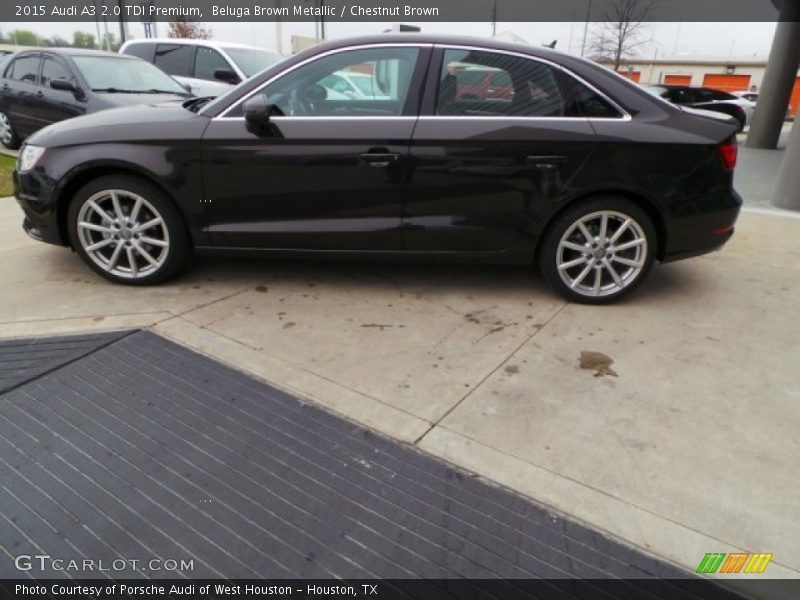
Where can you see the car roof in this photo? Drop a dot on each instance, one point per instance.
(75, 52)
(430, 38)
(195, 42)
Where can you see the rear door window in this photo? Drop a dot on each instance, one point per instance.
(531, 90)
(25, 68)
(480, 83)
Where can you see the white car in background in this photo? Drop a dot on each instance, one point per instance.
(355, 85)
(205, 67)
(752, 98)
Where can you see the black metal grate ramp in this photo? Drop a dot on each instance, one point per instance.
(144, 449)
(24, 359)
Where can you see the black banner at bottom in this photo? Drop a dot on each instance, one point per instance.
(391, 589)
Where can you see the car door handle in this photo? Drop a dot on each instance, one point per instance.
(380, 159)
(40, 94)
(545, 162)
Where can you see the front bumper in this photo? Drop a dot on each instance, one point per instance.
(35, 193)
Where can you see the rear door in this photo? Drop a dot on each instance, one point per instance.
(19, 90)
(487, 170)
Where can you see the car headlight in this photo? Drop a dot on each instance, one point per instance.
(28, 157)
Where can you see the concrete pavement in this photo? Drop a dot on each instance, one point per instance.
(691, 448)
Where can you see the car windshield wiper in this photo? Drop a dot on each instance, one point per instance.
(195, 104)
(113, 90)
(157, 91)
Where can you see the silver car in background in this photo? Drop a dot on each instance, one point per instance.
(205, 67)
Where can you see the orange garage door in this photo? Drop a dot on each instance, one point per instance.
(794, 102)
(727, 83)
(678, 79)
(633, 75)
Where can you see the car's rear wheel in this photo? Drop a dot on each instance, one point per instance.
(127, 230)
(8, 137)
(599, 250)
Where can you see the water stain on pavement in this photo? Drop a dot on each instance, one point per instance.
(598, 362)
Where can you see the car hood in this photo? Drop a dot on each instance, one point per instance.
(144, 122)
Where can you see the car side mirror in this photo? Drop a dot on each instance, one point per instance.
(257, 110)
(257, 113)
(227, 76)
(65, 85)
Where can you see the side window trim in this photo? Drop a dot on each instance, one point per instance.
(423, 61)
(435, 70)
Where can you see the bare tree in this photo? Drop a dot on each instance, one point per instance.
(621, 31)
(188, 29)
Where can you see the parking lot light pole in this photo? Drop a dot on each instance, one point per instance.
(586, 28)
(121, 23)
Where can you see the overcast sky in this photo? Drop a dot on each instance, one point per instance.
(701, 40)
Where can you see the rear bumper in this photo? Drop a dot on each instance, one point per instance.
(696, 234)
(714, 243)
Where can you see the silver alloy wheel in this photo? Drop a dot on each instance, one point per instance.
(6, 133)
(601, 253)
(123, 234)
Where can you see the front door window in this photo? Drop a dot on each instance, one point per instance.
(367, 82)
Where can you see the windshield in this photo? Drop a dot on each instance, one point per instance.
(109, 73)
(252, 60)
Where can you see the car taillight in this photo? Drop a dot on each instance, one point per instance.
(728, 152)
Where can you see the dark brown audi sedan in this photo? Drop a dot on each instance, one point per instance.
(571, 168)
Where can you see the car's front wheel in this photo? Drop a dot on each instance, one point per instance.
(598, 251)
(8, 137)
(127, 230)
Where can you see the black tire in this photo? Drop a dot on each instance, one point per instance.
(170, 231)
(565, 228)
(12, 140)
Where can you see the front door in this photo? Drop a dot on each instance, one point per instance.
(490, 168)
(56, 105)
(329, 171)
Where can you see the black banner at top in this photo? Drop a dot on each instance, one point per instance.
(400, 10)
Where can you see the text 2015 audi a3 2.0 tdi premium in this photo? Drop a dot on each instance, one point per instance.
(574, 169)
